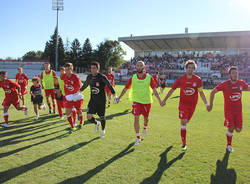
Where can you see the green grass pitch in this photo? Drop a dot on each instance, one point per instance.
(44, 152)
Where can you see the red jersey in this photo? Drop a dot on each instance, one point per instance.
(111, 78)
(22, 79)
(189, 89)
(156, 77)
(53, 73)
(232, 94)
(153, 84)
(72, 84)
(9, 87)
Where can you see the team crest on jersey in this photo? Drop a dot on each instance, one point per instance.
(8, 91)
(69, 87)
(97, 84)
(235, 97)
(95, 90)
(194, 84)
(189, 91)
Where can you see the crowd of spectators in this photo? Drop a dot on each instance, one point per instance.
(167, 64)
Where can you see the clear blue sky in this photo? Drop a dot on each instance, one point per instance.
(27, 24)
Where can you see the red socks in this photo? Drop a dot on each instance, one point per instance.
(183, 134)
(49, 105)
(74, 115)
(81, 118)
(70, 121)
(229, 138)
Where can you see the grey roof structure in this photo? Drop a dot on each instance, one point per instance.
(189, 41)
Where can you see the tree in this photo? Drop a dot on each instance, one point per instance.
(109, 53)
(75, 52)
(32, 55)
(86, 55)
(50, 48)
(9, 58)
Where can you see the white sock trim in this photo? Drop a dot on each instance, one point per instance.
(137, 134)
(5, 114)
(183, 127)
(230, 134)
(69, 115)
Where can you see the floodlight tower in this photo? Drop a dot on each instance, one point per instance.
(58, 6)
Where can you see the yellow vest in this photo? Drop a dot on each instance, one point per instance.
(48, 80)
(141, 91)
(61, 85)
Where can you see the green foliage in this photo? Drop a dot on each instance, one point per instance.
(75, 52)
(50, 48)
(33, 55)
(109, 53)
(87, 54)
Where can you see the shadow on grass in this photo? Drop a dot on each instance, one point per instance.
(111, 116)
(24, 122)
(12, 173)
(162, 167)
(13, 140)
(223, 175)
(35, 126)
(85, 177)
(175, 97)
(32, 118)
(35, 144)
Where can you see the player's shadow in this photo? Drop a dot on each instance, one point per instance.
(162, 167)
(86, 176)
(223, 175)
(24, 122)
(28, 129)
(14, 140)
(35, 144)
(111, 116)
(175, 97)
(12, 173)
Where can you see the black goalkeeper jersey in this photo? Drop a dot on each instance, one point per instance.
(97, 87)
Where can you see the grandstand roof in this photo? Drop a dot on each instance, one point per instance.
(190, 41)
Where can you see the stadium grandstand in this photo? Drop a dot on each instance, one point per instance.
(30, 68)
(213, 52)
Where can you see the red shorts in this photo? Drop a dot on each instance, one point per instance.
(14, 100)
(50, 92)
(186, 112)
(139, 109)
(233, 119)
(24, 91)
(71, 104)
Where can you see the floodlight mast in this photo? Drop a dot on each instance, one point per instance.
(58, 6)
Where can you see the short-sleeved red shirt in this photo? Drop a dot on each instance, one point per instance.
(9, 87)
(189, 89)
(111, 78)
(232, 94)
(72, 84)
(22, 79)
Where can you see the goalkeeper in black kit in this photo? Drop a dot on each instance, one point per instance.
(97, 103)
